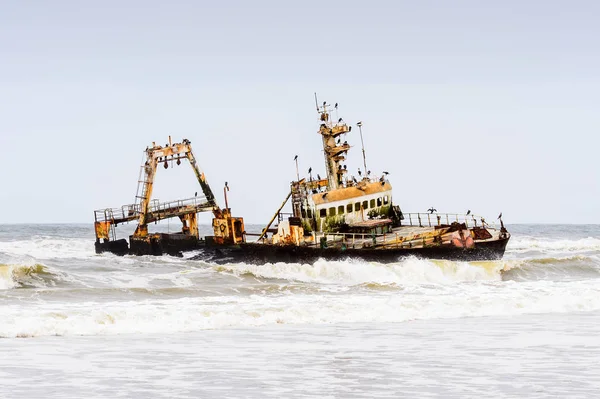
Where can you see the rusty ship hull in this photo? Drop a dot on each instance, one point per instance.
(342, 215)
(256, 253)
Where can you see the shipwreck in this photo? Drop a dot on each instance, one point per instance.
(334, 217)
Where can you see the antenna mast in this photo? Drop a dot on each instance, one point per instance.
(359, 124)
(333, 149)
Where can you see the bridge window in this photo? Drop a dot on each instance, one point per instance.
(332, 211)
(357, 207)
(341, 210)
(365, 204)
(349, 208)
(323, 213)
(373, 203)
(309, 213)
(386, 199)
(303, 212)
(379, 201)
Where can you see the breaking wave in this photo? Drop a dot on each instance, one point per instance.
(18, 276)
(522, 244)
(559, 268)
(354, 272)
(220, 312)
(41, 247)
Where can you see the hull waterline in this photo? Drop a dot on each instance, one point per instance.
(257, 253)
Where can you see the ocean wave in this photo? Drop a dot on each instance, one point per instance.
(354, 272)
(41, 247)
(555, 268)
(220, 312)
(33, 275)
(523, 244)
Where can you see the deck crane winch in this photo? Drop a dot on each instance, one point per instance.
(227, 229)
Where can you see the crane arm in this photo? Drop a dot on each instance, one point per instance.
(170, 152)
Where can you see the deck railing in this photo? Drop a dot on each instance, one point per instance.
(393, 239)
(132, 211)
(437, 219)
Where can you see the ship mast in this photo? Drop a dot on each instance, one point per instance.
(333, 148)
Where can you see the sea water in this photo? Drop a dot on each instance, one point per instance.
(77, 324)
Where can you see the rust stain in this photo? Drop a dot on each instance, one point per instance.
(351, 192)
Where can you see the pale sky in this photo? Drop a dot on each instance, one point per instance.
(480, 105)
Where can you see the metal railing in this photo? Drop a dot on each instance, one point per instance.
(437, 219)
(281, 216)
(393, 239)
(126, 212)
(132, 211)
(197, 202)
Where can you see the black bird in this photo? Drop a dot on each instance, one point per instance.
(386, 173)
(359, 172)
(345, 167)
(196, 194)
(354, 178)
(296, 157)
(339, 120)
(339, 139)
(309, 170)
(318, 176)
(431, 210)
(324, 102)
(468, 212)
(324, 195)
(368, 172)
(500, 215)
(336, 105)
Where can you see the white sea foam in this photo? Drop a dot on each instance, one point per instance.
(49, 248)
(13, 275)
(6, 277)
(355, 272)
(193, 314)
(521, 244)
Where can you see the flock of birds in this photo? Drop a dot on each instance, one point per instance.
(344, 167)
(381, 179)
(433, 210)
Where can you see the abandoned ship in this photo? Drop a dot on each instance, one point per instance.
(335, 217)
